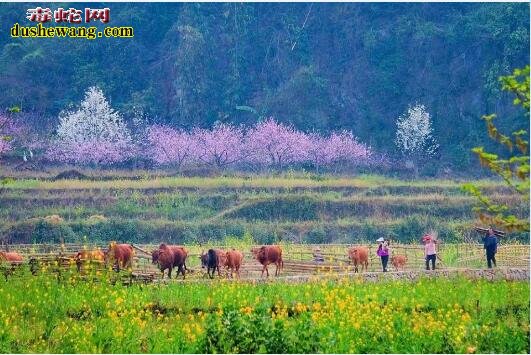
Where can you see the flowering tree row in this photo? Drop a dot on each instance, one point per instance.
(95, 134)
(268, 143)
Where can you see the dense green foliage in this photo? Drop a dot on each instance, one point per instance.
(43, 314)
(318, 66)
(512, 167)
(269, 209)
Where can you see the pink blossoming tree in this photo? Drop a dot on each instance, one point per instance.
(267, 144)
(6, 131)
(347, 149)
(273, 144)
(221, 146)
(339, 148)
(169, 146)
(13, 134)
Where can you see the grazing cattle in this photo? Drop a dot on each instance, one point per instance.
(269, 254)
(164, 258)
(155, 256)
(182, 253)
(88, 255)
(359, 256)
(119, 255)
(179, 259)
(222, 258)
(399, 261)
(233, 261)
(14, 259)
(91, 255)
(170, 257)
(11, 257)
(211, 261)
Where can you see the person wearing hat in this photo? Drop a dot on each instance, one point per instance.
(490, 244)
(430, 251)
(383, 252)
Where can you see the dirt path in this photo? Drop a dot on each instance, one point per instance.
(509, 274)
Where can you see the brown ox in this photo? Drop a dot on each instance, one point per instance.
(14, 259)
(11, 257)
(169, 257)
(183, 252)
(269, 254)
(359, 256)
(155, 254)
(399, 261)
(119, 255)
(89, 255)
(234, 261)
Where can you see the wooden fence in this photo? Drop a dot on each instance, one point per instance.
(334, 255)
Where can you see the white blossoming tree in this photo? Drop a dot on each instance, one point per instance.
(414, 136)
(92, 134)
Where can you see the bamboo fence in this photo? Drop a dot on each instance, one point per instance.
(298, 258)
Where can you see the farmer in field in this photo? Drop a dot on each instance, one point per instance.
(490, 243)
(383, 252)
(430, 251)
(317, 255)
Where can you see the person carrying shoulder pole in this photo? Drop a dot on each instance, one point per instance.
(490, 244)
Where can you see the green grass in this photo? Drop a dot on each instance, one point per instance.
(362, 181)
(42, 314)
(311, 208)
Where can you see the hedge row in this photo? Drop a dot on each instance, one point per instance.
(305, 208)
(281, 208)
(136, 231)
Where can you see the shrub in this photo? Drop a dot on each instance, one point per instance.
(54, 219)
(39, 230)
(97, 218)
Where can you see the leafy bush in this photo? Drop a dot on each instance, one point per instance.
(39, 230)
(183, 232)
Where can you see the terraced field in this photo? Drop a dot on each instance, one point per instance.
(314, 307)
(301, 209)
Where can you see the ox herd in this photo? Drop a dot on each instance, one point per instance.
(119, 256)
(212, 260)
(169, 257)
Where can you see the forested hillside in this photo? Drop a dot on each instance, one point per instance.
(317, 66)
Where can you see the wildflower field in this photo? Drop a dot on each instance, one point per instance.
(44, 313)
